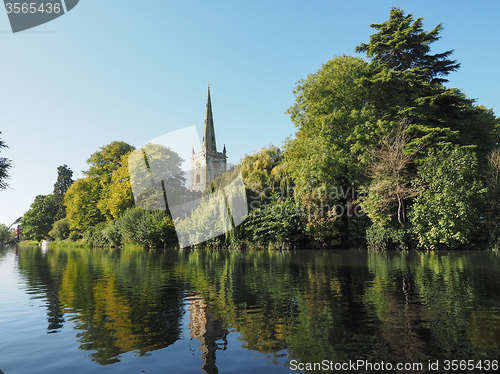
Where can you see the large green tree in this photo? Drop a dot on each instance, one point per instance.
(327, 160)
(38, 220)
(335, 125)
(5, 165)
(265, 169)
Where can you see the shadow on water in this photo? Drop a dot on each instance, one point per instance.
(306, 306)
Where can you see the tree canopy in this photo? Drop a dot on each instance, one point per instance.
(104, 162)
(38, 220)
(5, 165)
(64, 181)
(348, 117)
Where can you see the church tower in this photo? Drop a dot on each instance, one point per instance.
(207, 164)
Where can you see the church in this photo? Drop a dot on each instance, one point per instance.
(207, 164)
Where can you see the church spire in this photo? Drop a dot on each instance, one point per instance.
(208, 143)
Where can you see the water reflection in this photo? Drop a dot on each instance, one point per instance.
(339, 306)
(208, 330)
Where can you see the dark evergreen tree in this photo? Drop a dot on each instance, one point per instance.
(401, 45)
(64, 181)
(406, 81)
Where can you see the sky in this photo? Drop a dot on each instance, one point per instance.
(133, 71)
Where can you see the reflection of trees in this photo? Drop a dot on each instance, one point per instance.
(404, 307)
(36, 265)
(118, 302)
(424, 302)
(407, 307)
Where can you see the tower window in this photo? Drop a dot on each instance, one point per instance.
(198, 178)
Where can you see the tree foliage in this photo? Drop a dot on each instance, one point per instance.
(5, 165)
(38, 220)
(391, 185)
(118, 196)
(105, 161)
(64, 181)
(155, 172)
(81, 201)
(348, 116)
(446, 214)
(401, 44)
(60, 229)
(406, 81)
(4, 233)
(95, 198)
(335, 125)
(491, 209)
(265, 169)
(336, 128)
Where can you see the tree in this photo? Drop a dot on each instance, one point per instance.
(60, 229)
(118, 196)
(38, 221)
(491, 210)
(391, 183)
(5, 165)
(446, 213)
(85, 199)
(81, 201)
(64, 181)
(265, 168)
(402, 45)
(406, 81)
(155, 173)
(104, 162)
(4, 233)
(336, 128)
(334, 123)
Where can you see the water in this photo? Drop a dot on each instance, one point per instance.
(77, 310)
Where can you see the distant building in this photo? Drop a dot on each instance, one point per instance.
(207, 164)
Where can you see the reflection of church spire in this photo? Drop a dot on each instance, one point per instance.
(208, 142)
(208, 330)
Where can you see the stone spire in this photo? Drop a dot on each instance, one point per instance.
(208, 142)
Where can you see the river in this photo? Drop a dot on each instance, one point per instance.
(77, 310)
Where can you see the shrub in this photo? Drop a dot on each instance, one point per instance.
(383, 237)
(60, 229)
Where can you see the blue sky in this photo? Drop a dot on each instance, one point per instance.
(127, 70)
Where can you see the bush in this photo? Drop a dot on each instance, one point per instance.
(383, 237)
(446, 213)
(74, 236)
(147, 228)
(111, 235)
(60, 229)
(277, 225)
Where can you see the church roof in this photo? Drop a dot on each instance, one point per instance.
(208, 143)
